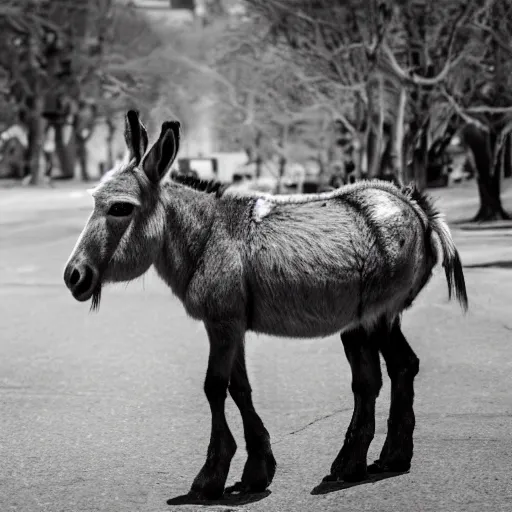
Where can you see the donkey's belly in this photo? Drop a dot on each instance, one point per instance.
(294, 311)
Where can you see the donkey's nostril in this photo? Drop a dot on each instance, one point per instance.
(86, 281)
(82, 279)
(75, 277)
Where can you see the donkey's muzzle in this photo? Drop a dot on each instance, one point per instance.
(81, 279)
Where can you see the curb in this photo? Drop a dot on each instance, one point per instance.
(483, 226)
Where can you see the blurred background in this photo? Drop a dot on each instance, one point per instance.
(286, 96)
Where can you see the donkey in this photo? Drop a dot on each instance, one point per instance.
(348, 261)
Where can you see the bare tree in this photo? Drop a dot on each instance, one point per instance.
(65, 63)
(26, 35)
(482, 97)
(337, 44)
(259, 93)
(425, 67)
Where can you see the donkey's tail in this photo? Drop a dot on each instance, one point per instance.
(451, 259)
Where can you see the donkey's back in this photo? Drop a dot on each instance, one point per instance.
(330, 263)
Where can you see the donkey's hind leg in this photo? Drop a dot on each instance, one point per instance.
(361, 349)
(402, 366)
(260, 466)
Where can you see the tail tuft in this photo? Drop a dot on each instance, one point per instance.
(456, 281)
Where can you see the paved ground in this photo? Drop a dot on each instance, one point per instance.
(105, 412)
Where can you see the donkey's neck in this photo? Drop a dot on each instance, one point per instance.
(189, 217)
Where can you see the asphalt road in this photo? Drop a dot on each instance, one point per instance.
(105, 412)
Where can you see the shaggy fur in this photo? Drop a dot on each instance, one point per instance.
(209, 186)
(350, 261)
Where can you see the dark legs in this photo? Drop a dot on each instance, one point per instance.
(362, 352)
(226, 367)
(402, 365)
(260, 466)
(225, 339)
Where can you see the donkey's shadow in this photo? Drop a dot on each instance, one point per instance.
(231, 497)
(327, 487)
(234, 498)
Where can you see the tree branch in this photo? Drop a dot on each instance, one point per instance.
(497, 38)
(416, 79)
(482, 109)
(460, 111)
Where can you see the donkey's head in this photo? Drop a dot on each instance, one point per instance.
(125, 230)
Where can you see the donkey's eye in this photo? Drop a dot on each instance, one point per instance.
(121, 209)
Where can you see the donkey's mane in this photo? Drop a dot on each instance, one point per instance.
(209, 186)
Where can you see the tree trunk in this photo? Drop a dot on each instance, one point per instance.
(282, 158)
(420, 96)
(371, 137)
(35, 140)
(282, 170)
(81, 153)
(420, 161)
(376, 165)
(83, 128)
(259, 159)
(64, 154)
(111, 130)
(371, 154)
(359, 153)
(321, 166)
(420, 156)
(488, 161)
(397, 148)
(358, 143)
(490, 201)
(507, 158)
(488, 179)
(27, 155)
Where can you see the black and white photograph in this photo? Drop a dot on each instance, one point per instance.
(255, 255)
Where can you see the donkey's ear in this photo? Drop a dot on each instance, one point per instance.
(161, 156)
(135, 135)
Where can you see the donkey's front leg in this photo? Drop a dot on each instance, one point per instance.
(225, 338)
(362, 353)
(260, 466)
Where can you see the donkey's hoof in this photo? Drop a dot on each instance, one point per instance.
(206, 494)
(389, 466)
(209, 487)
(331, 478)
(356, 474)
(376, 467)
(258, 473)
(237, 488)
